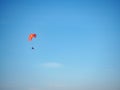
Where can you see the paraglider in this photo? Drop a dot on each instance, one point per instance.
(32, 47)
(31, 36)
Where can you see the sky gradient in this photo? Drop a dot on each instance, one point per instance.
(77, 45)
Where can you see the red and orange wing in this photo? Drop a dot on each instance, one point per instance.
(31, 36)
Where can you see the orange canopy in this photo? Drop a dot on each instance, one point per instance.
(31, 36)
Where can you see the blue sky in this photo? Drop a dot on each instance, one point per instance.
(77, 45)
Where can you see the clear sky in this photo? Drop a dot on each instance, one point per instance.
(77, 45)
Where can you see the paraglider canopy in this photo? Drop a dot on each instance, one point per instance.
(31, 36)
